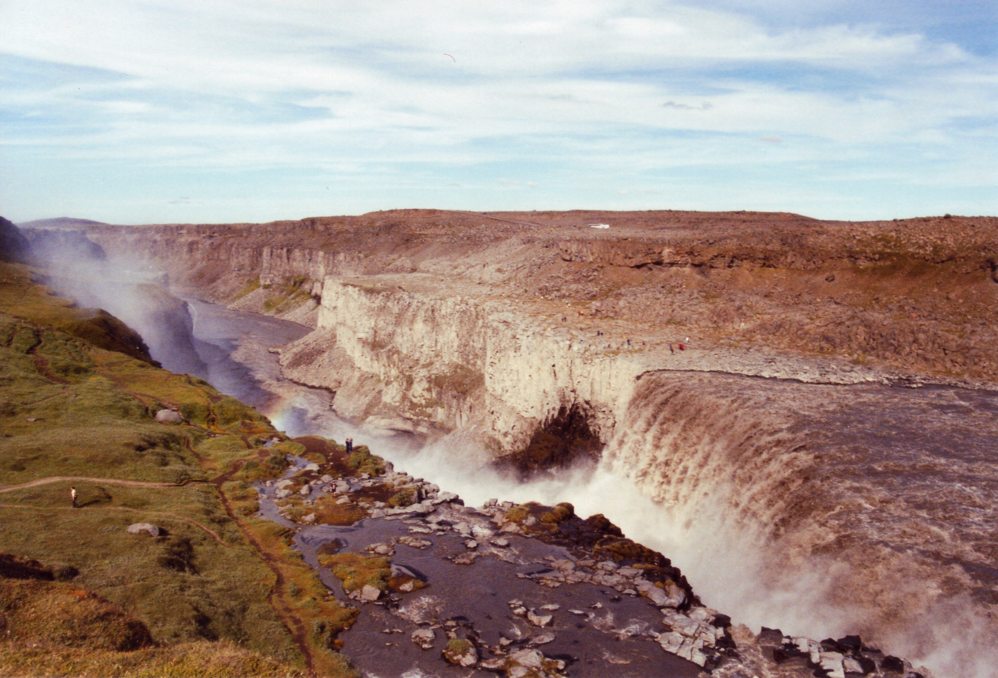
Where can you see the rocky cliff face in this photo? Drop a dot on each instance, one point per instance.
(80, 269)
(400, 347)
(51, 245)
(13, 245)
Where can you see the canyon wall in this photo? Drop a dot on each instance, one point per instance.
(408, 347)
(912, 296)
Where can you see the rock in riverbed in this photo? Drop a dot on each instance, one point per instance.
(424, 638)
(460, 652)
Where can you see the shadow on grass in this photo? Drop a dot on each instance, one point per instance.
(103, 497)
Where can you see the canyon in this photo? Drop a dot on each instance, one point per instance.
(807, 408)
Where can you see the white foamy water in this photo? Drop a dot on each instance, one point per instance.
(732, 567)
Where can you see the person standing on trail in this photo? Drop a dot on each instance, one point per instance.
(349, 445)
(72, 496)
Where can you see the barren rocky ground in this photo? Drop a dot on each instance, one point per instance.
(913, 296)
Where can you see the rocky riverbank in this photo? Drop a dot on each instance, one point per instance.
(515, 589)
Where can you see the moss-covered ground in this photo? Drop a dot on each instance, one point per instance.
(220, 591)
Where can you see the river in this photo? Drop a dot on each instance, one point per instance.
(729, 568)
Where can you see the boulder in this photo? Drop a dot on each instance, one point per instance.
(480, 532)
(536, 619)
(852, 644)
(167, 416)
(770, 637)
(528, 659)
(850, 665)
(670, 641)
(496, 664)
(892, 663)
(369, 593)
(700, 614)
(542, 639)
(677, 596)
(420, 509)
(147, 528)
(424, 638)
(381, 549)
(460, 652)
(653, 593)
(831, 663)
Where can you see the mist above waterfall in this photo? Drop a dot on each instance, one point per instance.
(731, 566)
(131, 290)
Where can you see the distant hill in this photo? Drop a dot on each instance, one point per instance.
(62, 222)
(13, 245)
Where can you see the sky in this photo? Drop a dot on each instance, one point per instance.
(154, 111)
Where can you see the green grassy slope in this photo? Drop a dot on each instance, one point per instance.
(220, 592)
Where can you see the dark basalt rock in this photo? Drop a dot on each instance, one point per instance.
(850, 644)
(867, 664)
(562, 441)
(892, 663)
(786, 652)
(13, 245)
(597, 536)
(772, 637)
(721, 621)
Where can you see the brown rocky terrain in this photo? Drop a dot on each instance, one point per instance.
(914, 296)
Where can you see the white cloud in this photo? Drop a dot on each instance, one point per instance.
(634, 85)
